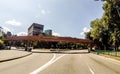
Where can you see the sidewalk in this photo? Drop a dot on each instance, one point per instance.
(7, 55)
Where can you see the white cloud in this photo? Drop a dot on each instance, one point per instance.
(55, 34)
(36, 17)
(43, 11)
(13, 22)
(39, 6)
(85, 30)
(5, 29)
(22, 34)
(82, 33)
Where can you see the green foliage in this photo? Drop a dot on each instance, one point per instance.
(35, 43)
(3, 36)
(87, 35)
(1, 42)
(57, 45)
(106, 30)
(96, 29)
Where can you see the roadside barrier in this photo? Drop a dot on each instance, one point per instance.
(107, 52)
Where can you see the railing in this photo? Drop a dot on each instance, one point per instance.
(107, 52)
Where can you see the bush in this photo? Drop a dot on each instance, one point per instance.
(1, 42)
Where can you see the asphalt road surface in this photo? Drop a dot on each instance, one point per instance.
(70, 62)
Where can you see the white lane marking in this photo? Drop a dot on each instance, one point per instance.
(57, 58)
(112, 61)
(90, 69)
(44, 66)
(47, 64)
(92, 72)
(109, 59)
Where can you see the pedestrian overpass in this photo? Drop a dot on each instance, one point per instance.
(28, 39)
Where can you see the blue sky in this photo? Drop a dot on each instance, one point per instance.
(64, 17)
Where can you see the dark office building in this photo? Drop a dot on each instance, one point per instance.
(35, 29)
(48, 32)
(9, 34)
(1, 32)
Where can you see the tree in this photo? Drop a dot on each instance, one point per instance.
(106, 30)
(115, 38)
(87, 35)
(96, 32)
(1, 42)
(111, 19)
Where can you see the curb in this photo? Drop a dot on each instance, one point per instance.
(15, 58)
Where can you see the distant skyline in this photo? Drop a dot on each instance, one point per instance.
(65, 17)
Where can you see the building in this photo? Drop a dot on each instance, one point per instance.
(48, 32)
(1, 32)
(9, 34)
(35, 29)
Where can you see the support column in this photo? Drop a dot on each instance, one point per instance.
(26, 45)
(89, 49)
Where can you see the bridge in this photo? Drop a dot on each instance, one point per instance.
(28, 39)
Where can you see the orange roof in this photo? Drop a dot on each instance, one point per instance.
(48, 39)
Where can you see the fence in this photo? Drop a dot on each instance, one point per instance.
(107, 52)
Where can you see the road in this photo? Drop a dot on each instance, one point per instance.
(60, 63)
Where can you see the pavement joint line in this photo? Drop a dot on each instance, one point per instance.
(47, 64)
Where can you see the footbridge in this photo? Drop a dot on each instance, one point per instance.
(28, 39)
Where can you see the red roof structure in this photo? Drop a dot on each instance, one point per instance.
(48, 39)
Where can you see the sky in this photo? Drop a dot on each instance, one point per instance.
(68, 18)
